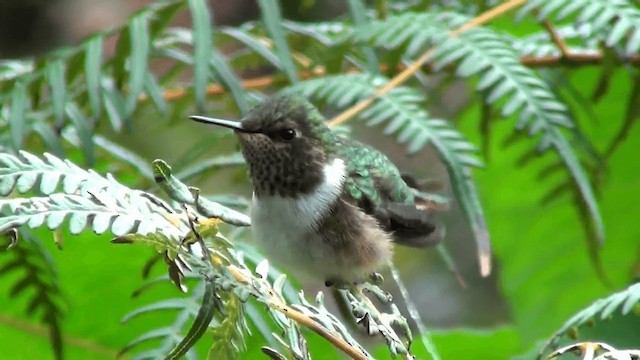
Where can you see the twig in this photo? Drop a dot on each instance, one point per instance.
(263, 82)
(557, 39)
(300, 318)
(572, 59)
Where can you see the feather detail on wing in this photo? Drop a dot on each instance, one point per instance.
(379, 189)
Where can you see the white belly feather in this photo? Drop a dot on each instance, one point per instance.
(281, 225)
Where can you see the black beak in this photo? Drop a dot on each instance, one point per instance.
(234, 125)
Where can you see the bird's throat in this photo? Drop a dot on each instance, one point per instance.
(304, 210)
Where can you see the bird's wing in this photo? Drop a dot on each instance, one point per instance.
(377, 187)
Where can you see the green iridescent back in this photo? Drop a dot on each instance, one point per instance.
(373, 178)
(372, 175)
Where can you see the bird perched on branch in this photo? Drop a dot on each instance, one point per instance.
(324, 205)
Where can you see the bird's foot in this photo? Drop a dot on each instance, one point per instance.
(337, 283)
(374, 278)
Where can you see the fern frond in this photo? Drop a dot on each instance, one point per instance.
(579, 41)
(203, 42)
(402, 109)
(617, 22)
(484, 52)
(272, 19)
(624, 301)
(32, 259)
(87, 199)
(219, 67)
(171, 335)
(327, 34)
(413, 32)
(245, 35)
(78, 89)
(116, 151)
(228, 334)
(205, 166)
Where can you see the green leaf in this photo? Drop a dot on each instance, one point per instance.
(115, 105)
(229, 80)
(254, 44)
(169, 304)
(358, 12)
(119, 152)
(270, 10)
(140, 45)
(49, 137)
(84, 130)
(163, 13)
(57, 86)
(92, 69)
(500, 343)
(539, 107)
(202, 42)
(150, 335)
(154, 91)
(200, 324)
(116, 151)
(210, 164)
(17, 116)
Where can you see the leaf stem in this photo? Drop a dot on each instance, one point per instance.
(557, 39)
(301, 318)
(263, 82)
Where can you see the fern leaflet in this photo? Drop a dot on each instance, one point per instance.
(617, 22)
(40, 274)
(625, 301)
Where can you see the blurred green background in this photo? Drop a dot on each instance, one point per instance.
(542, 273)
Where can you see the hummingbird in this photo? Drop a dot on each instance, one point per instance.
(324, 206)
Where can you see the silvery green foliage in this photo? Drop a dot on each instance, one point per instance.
(84, 200)
(622, 302)
(579, 40)
(596, 351)
(63, 191)
(616, 22)
(183, 194)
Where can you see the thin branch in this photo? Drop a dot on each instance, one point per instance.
(572, 59)
(299, 317)
(263, 82)
(557, 39)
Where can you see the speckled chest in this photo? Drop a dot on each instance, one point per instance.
(285, 227)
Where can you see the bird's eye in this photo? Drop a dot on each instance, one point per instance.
(287, 134)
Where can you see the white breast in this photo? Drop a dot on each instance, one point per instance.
(281, 225)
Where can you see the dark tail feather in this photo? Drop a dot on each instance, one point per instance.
(413, 227)
(428, 185)
(430, 240)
